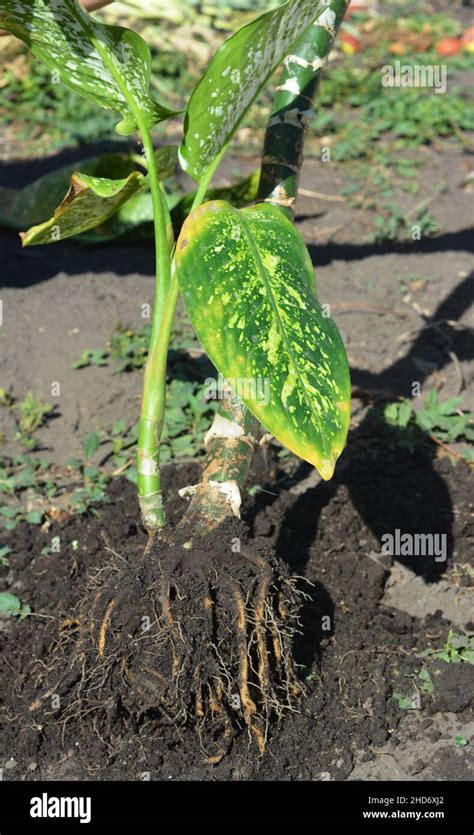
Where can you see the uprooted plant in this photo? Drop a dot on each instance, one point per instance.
(199, 627)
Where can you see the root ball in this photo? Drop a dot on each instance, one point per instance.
(198, 636)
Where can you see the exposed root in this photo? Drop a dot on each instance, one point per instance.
(190, 637)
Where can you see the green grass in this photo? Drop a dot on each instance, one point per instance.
(29, 415)
(457, 649)
(396, 224)
(444, 421)
(32, 413)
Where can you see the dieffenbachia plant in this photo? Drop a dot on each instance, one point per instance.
(245, 275)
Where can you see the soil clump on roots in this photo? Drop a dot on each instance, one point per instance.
(196, 633)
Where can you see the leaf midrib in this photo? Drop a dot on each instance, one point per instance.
(263, 275)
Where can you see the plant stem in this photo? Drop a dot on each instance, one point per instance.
(161, 226)
(284, 137)
(152, 417)
(206, 179)
(230, 445)
(154, 387)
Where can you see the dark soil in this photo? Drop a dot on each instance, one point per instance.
(353, 652)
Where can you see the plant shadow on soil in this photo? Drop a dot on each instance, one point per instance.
(386, 509)
(330, 533)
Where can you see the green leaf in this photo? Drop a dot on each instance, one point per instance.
(118, 427)
(427, 684)
(458, 641)
(8, 512)
(90, 445)
(248, 286)
(449, 406)
(25, 611)
(448, 657)
(34, 517)
(9, 604)
(133, 219)
(131, 475)
(166, 159)
(108, 65)
(89, 202)
(235, 76)
(404, 702)
(404, 414)
(37, 201)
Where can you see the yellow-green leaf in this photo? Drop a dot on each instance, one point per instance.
(89, 202)
(248, 286)
(36, 202)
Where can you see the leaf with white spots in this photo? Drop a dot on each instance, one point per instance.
(108, 65)
(89, 202)
(235, 76)
(248, 286)
(36, 201)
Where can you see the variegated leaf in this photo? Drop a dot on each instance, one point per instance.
(32, 204)
(133, 220)
(108, 65)
(35, 204)
(248, 286)
(89, 202)
(235, 76)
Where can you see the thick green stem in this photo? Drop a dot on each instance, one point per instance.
(161, 227)
(284, 138)
(152, 416)
(154, 388)
(166, 294)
